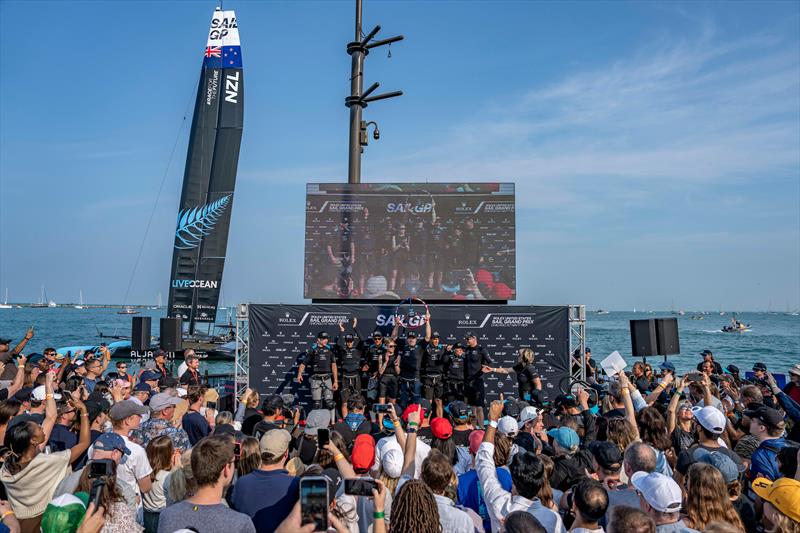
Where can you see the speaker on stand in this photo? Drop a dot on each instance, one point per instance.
(140, 334)
(171, 334)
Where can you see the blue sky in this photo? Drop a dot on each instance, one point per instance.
(655, 146)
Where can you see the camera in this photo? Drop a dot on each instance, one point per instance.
(100, 468)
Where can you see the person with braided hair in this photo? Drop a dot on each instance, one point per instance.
(414, 509)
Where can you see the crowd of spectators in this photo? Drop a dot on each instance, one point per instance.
(87, 449)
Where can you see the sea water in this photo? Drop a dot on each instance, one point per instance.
(774, 338)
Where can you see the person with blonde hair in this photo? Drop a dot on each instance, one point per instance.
(781, 504)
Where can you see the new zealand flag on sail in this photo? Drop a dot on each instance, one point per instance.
(231, 57)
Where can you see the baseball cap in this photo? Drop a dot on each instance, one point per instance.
(565, 437)
(710, 418)
(503, 291)
(508, 426)
(720, 461)
(658, 490)
(124, 409)
(475, 439)
(322, 335)
(363, 455)
(411, 335)
(35, 357)
(143, 387)
(441, 428)
(316, 419)
(528, 414)
(79, 363)
(159, 353)
(392, 462)
(511, 408)
(38, 394)
(732, 369)
(566, 400)
(458, 345)
(587, 350)
(469, 335)
(667, 365)
(435, 335)
(63, 513)
(606, 454)
(458, 409)
(783, 494)
(768, 415)
(706, 352)
(795, 370)
(150, 376)
(5, 341)
(349, 337)
(413, 407)
(759, 366)
(94, 408)
(24, 394)
(108, 442)
(376, 334)
(162, 400)
(275, 442)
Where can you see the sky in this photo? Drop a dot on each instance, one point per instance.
(655, 147)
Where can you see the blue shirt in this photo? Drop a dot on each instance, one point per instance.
(61, 438)
(89, 384)
(196, 426)
(764, 460)
(266, 496)
(470, 493)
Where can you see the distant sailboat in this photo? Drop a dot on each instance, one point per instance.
(5, 305)
(42, 300)
(80, 300)
(128, 311)
(158, 302)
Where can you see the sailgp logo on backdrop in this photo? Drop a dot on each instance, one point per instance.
(198, 222)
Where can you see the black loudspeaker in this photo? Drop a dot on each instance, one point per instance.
(667, 336)
(140, 333)
(643, 338)
(171, 334)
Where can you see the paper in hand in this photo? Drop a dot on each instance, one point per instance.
(613, 364)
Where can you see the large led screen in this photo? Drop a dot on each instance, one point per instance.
(391, 241)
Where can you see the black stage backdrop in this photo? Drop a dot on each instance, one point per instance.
(279, 334)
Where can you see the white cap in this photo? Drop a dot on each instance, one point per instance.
(710, 418)
(795, 370)
(527, 414)
(508, 426)
(658, 490)
(392, 462)
(181, 392)
(39, 394)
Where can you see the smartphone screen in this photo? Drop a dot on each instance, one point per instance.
(360, 486)
(380, 408)
(323, 437)
(314, 502)
(237, 450)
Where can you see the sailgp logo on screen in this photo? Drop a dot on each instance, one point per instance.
(198, 222)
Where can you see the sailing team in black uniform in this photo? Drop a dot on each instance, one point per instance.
(406, 369)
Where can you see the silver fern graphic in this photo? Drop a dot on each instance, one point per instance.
(195, 223)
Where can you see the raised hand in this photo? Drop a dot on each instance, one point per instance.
(624, 382)
(496, 410)
(355, 322)
(391, 412)
(341, 327)
(414, 416)
(29, 334)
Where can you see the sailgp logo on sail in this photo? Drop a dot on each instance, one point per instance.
(198, 222)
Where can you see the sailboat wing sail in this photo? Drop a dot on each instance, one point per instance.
(201, 234)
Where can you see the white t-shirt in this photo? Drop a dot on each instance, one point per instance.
(182, 369)
(155, 500)
(135, 468)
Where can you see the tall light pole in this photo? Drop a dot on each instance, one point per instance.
(358, 99)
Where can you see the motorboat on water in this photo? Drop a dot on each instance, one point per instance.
(736, 326)
(128, 311)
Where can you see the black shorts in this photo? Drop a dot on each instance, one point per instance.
(349, 385)
(388, 387)
(455, 390)
(433, 387)
(474, 392)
